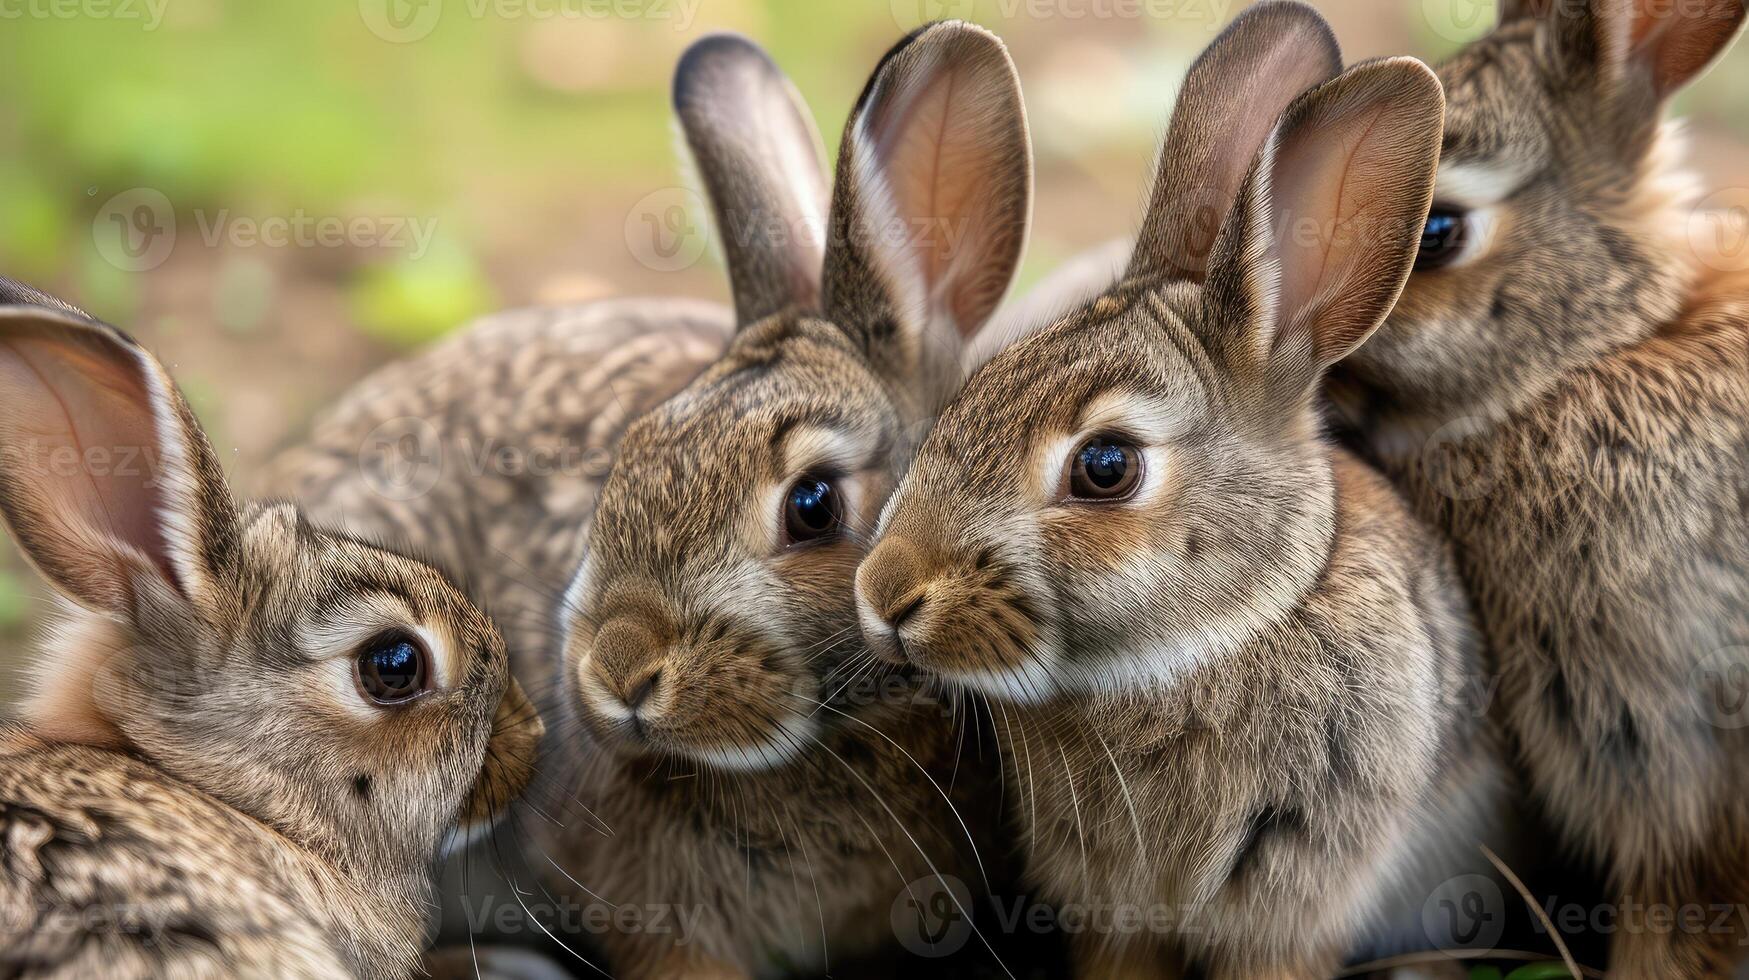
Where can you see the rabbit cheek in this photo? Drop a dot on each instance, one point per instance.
(509, 762)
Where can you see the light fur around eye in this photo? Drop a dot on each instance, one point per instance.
(1475, 193)
(1148, 422)
(334, 642)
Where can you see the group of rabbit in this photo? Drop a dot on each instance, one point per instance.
(1396, 483)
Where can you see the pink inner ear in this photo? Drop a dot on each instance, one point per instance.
(1349, 187)
(946, 154)
(1679, 40)
(81, 439)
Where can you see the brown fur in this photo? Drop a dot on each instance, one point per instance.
(1576, 417)
(242, 809)
(674, 539)
(1245, 695)
(762, 781)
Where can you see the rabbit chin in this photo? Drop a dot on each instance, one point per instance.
(791, 741)
(786, 741)
(1033, 680)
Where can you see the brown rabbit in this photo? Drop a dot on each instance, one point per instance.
(400, 456)
(1559, 393)
(731, 736)
(250, 736)
(1232, 673)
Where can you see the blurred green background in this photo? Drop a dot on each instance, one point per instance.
(445, 158)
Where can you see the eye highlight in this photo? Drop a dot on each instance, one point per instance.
(813, 510)
(393, 669)
(1444, 237)
(1105, 469)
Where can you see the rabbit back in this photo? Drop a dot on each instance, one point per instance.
(486, 452)
(1622, 626)
(110, 868)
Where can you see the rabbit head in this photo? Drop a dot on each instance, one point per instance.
(342, 694)
(1142, 485)
(1556, 232)
(712, 610)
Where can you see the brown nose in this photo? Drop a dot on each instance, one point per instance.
(890, 588)
(627, 660)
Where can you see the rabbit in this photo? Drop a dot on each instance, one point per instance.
(1562, 390)
(162, 813)
(1234, 678)
(749, 757)
(400, 456)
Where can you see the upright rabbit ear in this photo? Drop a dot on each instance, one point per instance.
(1234, 92)
(758, 153)
(106, 479)
(1640, 48)
(1325, 229)
(932, 200)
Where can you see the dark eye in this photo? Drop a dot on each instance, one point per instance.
(812, 510)
(1443, 237)
(393, 669)
(1104, 469)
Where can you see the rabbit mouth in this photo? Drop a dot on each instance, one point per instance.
(976, 630)
(741, 734)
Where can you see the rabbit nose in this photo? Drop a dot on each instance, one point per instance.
(627, 662)
(890, 590)
(642, 690)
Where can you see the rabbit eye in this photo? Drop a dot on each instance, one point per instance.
(393, 669)
(1104, 469)
(1443, 237)
(812, 510)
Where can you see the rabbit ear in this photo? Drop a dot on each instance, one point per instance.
(106, 475)
(1234, 92)
(932, 200)
(1326, 226)
(758, 153)
(1641, 47)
